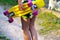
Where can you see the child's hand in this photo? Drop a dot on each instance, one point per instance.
(20, 6)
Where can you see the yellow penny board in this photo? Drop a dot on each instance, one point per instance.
(18, 13)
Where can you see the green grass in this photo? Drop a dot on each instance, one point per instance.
(49, 22)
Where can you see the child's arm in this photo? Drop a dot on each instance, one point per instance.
(20, 4)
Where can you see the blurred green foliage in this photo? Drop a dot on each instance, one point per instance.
(9, 2)
(2, 37)
(49, 22)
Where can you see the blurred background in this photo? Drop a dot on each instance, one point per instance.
(47, 22)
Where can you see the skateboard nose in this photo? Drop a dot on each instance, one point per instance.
(5, 12)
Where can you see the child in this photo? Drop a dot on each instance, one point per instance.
(29, 31)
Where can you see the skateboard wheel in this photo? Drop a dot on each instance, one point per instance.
(30, 4)
(5, 13)
(35, 12)
(10, 20)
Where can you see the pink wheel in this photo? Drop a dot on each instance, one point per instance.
(6, 13)
(30, 3)
(35, 12)
(10, 20)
